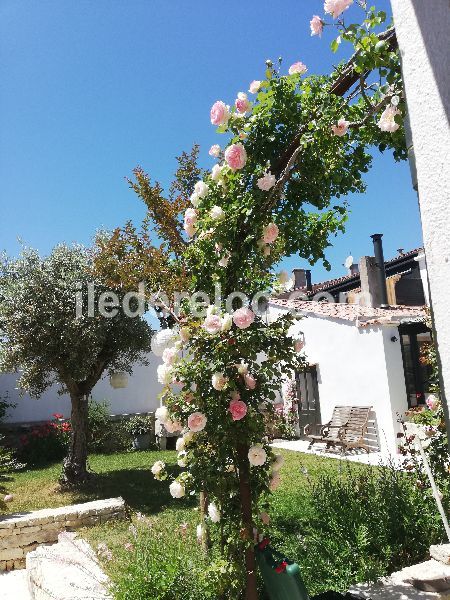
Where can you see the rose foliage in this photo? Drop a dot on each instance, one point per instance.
(294, 146)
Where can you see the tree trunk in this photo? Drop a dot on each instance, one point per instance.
(251, 589)
(75, 464)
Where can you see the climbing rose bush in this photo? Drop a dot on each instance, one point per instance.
(292, 151)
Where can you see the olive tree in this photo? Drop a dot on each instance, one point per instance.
(59, 325)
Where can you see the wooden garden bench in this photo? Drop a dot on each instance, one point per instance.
(347, 428)
(356, 428)
(329, 433)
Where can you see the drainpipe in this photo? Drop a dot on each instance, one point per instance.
(379, 257)
(308, 280)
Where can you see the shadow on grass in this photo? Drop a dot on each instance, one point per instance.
(137, 487)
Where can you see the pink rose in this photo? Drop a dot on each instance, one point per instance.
(387, 120)
(169, 356)
(298, 345)
(8, 498)
(340, 128)
(297, 67)
(249, 381)
(432, 402)
(214, 150)
(316, 25)
(173, 426)
(270, 233)
(336, 7)
(243, 317)
(236, 156)
(219, 113)
(266, 182)
(212, 324)
(197, 421)
(238, 410)
(254, 86)
(242, 104)
(190, 216)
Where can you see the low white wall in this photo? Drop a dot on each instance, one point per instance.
(356, 367)
(140, 395)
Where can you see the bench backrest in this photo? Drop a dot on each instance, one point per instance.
(358, 419)
(340, 416)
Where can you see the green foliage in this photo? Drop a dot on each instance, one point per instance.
(139, 425)
(41, 335)
(158, 566)
(101, 427)
(358, 526)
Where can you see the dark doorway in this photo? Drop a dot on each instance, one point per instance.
(308, 398)
(415, 339)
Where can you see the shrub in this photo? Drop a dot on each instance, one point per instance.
(139, 425)
(357, 526)
(161, 563)
(101, 428)
(47, 442)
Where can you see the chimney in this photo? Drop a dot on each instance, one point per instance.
(379, 257)
(370, 282)
(354, 269)
(300, 280)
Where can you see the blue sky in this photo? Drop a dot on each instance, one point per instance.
(92, 88)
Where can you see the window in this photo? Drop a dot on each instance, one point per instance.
(415, 339)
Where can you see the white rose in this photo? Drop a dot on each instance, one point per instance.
(188, 437)
(180, 445)
(223, 262)
(195, 200)
(170, 355)
(201, 189)
(219, 381)
(266, 182)
(158, 467)
(165, 374)
(162, 340)
(387, 119)
(227, 322)
(162, 414)
(177, 489)
(242, 368)
(216, 173)
(213, 512)
(257, 455)
(216, 213)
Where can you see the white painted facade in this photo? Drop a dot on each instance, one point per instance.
(140, 395)
(423, 34)
(356, 366)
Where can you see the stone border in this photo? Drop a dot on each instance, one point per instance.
(21, 533)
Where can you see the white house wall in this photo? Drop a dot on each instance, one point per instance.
(356, 367)
(140, 395)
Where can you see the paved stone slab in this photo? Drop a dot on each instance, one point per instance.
(68, 570)
(441, 553)
(14, 586)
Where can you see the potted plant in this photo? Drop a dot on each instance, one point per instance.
(139, 427)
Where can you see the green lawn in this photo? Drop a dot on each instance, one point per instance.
(128, 475)
(341, 522)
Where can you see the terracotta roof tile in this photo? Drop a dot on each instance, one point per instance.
(361, 316)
